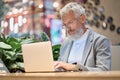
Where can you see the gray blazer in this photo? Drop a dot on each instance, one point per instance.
(96, 56)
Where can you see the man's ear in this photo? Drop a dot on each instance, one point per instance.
(82, 18)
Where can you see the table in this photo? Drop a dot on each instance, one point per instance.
(94, 75)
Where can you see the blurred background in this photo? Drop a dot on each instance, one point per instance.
(18, 17)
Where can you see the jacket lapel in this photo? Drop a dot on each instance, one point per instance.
(66, 55)
(88, 47)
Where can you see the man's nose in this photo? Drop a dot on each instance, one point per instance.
(69, 29)
(69, 26)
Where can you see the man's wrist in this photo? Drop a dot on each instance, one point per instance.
(76, 67)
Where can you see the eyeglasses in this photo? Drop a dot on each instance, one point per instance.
(70, 23)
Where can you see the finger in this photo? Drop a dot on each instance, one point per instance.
(58, 66)
(56, 63)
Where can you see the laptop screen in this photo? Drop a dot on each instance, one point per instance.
(38, 57)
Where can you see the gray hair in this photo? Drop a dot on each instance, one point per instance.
(75, 7)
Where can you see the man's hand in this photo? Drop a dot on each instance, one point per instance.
(64, 65)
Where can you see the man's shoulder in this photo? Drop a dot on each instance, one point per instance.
(98, 38)
(97, 35)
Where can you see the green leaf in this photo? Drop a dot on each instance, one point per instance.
(44, 36)
(27, 41)
(20, 65)
(56, 50)
(15, 45)
(13, 66)
(17, 66)
(4, 45)
(19, 57)
(2, 38)
(11, 55)
(12, 39)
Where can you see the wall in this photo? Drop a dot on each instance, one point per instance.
(112, 8)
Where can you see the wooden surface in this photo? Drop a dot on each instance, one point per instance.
(112, 75)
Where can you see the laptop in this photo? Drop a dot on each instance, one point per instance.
(38, 57)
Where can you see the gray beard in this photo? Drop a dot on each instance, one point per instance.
(76, 36)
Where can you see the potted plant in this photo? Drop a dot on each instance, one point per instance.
(11, 53)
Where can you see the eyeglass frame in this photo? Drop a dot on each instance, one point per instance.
(70, 23)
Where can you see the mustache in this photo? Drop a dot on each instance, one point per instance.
(70, 30)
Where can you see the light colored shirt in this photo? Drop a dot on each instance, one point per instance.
(77, 49)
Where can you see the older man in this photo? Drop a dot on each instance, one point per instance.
(83, 49)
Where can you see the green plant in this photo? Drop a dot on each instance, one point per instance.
(11, 53)
(56, 50)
